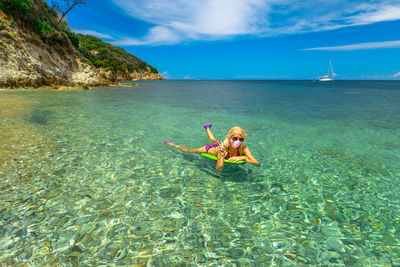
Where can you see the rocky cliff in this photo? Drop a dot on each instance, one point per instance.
(34, 52)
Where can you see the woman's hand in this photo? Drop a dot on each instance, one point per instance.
(236, 159)
(222, 151)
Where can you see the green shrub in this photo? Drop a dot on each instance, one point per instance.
(15, 6)
(131, 68)
(103, 51)
(21, 4)
(153, 70)
(73, 38)
(43, 27)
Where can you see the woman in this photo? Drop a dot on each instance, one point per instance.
(232, 148)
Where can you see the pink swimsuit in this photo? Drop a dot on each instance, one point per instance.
(207, 147)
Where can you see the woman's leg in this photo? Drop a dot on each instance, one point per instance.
(210, 135)
(186, 150)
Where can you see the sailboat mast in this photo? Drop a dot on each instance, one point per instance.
(333, 74)
(329, 66)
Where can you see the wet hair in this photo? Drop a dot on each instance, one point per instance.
(232, 132)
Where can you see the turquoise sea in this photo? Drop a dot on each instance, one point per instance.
(85, 182)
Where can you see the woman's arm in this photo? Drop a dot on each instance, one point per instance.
(221, 156)
(237, 158)
(250, 158)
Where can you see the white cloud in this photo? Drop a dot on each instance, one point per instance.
(377, 77)
(156, 35)
(360, 46)
(181, 20)
(94, 33)
(377, 14)
(194, 20)
(396, 75)
(165, 75)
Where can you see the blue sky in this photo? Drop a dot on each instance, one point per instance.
(251, 39)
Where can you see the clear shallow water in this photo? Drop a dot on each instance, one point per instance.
(83, 179)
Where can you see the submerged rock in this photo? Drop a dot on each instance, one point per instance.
(335, 244)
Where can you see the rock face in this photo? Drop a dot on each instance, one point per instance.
(136, 76)
(27, 64)
(130, 76)
(26, 60)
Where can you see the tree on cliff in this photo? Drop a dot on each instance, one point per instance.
(65, 7)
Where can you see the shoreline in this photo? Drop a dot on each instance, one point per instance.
(69, 87)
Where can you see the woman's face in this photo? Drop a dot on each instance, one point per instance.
(235, 140)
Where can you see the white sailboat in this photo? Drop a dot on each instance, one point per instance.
(328, 78)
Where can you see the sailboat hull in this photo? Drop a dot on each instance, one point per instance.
(325, 79)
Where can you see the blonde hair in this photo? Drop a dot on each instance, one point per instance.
(232, 132)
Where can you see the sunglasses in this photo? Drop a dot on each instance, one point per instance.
(241, 139)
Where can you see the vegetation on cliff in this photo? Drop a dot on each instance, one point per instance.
(38, 18)
(34, 21)
(109, 57)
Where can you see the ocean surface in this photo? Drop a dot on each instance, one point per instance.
(85, 182)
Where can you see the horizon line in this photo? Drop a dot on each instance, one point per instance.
(313, 80)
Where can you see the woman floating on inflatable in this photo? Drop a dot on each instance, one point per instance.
(231, 149)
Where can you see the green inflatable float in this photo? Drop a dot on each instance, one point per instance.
(211, 156)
